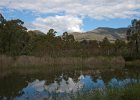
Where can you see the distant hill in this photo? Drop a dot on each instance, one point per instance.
(37, 32)
(101, 32)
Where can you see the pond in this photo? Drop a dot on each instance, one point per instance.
(44, 86)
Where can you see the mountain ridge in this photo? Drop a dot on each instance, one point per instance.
(100, 33)
(97, 34)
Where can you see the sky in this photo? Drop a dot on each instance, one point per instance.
(71, 15)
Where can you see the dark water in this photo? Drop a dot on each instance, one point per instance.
(43, 86)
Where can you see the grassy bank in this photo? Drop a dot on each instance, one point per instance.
(127, 93)
(133, 64)
(98, 61)
(31, 64)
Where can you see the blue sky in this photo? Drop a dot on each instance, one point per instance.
(71, 15)
(90, 24)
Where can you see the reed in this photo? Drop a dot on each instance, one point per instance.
(91, 61)
(127, 93)
(32, 64)
(133, 64)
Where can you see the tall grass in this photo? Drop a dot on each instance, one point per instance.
(30, 64)
(133, 64)
(5, 65)
(99, 61)
(127, 93)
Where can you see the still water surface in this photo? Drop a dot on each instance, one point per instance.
(35, 87)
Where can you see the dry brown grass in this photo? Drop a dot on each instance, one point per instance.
(92, 61)
(133, 64)
(38, 61)
(6, 60)
(31, 64)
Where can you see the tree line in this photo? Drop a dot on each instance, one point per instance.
(16, 40)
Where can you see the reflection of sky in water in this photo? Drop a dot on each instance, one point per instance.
(38, 90)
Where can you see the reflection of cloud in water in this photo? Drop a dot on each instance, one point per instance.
(121, 83)
(38, 90)
(38, 85)
(33, 91)
(52, 87)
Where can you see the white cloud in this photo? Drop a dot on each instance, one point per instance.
(95, 9)
(58, 23)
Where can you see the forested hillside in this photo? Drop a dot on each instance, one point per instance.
(16, 40)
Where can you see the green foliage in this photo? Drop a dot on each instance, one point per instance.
(106, 46)
(133, 35)
(13, 37)
(15, 40)
(51, 33)
(120, 47)
(68, 38)
(2, 19)
(127, 93)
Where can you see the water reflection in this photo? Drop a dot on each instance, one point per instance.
(122, 83)
(38, 90)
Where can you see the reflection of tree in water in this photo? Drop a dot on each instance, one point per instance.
(16, 82)
(10, 86)
(39, 89)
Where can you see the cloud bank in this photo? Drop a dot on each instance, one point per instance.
(59, 23)
(74, 10)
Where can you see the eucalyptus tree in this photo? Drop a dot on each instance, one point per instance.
(13, 36)
(2, 22)
(105, 46)
(133, 35)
